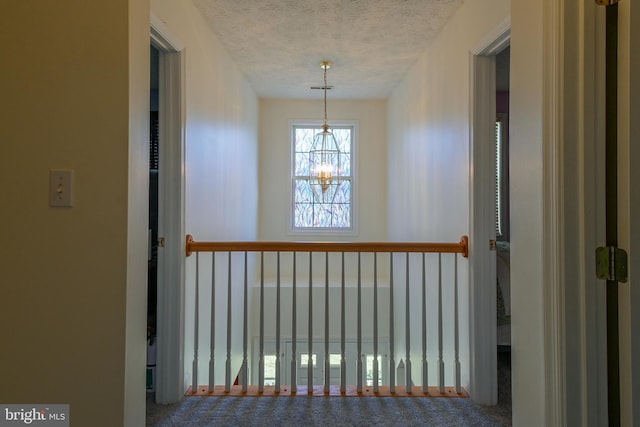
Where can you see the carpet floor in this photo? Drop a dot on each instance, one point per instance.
(329, 411)
(323, 411)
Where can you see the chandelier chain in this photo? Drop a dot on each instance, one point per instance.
(325, 95)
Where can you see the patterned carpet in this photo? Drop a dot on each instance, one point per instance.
(324, 411)
(337, 411)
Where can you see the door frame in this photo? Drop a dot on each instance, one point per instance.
(482, 260)
(629, 212)
(171, 214)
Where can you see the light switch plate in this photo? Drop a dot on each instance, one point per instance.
(61, 188)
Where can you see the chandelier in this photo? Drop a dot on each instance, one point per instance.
(325, 158)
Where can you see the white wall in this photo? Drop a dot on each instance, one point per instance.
(526, 214)
(429, 141)
(275, 164)
(221, 157)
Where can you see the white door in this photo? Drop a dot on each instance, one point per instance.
(170, 386)
(482, 257)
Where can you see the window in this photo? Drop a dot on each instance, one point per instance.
(307, 213)
(498, 178)
(335, 359)
(369, 367)
(270, 369)
(304, 360)
(502, 178)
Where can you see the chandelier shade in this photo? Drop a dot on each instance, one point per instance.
(325, 158)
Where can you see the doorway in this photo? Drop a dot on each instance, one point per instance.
(483, 224)
(503, 244)
(152, 276)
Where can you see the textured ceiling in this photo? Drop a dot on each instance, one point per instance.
(279, 44)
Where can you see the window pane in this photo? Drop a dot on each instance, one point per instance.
(303, 193)
(303, 215)
(304, 138)
(307, 212)
(343, 193)
(304, 360)
(343, 137)
(321, 215)
(346, 166)
(341, 215)
(369, 362)
(301, 164)
(335, 359)
(269, 369)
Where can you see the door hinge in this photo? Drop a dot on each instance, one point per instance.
(161, 242)
(611, 264)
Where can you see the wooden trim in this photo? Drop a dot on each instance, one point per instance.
(319, 391)
(461, 247)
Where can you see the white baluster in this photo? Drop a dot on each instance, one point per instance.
(294, 361)
(359, 331)
(194, 382)
(375, 323)
(261, 347)
(343, 360)
(456, 326)
(277, 390)
(425, 363)
(310, 334)
(227, 373)
(327, 362)
(212, 356)
(245, 328)
(440, 333)
(409, 383)
(392, 361)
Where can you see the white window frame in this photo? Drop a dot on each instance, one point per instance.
(324, 231)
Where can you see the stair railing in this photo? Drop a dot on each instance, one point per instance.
(391, 248)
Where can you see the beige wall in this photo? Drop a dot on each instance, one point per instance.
(74, 279)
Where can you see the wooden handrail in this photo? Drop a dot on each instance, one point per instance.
(241, 246)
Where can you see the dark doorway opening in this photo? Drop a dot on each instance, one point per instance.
(502, 230)
(154, 163)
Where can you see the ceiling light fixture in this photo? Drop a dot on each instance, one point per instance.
(325, 158)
